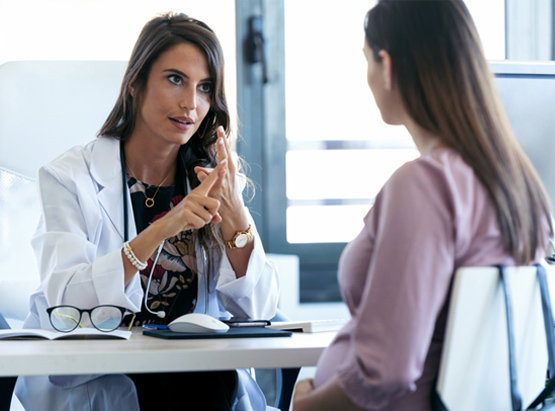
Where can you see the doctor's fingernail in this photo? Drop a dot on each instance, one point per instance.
(221, 129)
(221, 141)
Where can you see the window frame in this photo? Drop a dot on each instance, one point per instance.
(262, 143)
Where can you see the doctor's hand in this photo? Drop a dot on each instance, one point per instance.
(231, 209)
(196, 210)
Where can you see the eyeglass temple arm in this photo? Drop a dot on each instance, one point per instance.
(131, 322)
(70, 317)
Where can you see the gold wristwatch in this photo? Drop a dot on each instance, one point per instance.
(240, 239)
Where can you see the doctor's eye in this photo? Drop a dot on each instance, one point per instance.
(206, 87)
(175, 79)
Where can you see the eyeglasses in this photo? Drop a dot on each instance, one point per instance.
(66, 318)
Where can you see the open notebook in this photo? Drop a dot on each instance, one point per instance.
(78, 333)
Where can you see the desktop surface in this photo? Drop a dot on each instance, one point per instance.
(143, 354)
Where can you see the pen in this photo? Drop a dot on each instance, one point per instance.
(252, 323)
(156, 326)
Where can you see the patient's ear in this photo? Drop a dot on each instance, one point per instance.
(387, 70)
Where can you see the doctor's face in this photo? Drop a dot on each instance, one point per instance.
(176, 97)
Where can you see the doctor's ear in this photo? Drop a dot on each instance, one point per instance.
(387, 73)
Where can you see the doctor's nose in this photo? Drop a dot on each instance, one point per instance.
(189, 99)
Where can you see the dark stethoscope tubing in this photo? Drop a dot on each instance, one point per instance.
(125, 192)
(160, 314)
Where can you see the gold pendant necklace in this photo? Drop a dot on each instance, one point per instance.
(149, 201)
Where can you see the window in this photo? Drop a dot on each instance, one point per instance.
(326, 149)
(339, 151)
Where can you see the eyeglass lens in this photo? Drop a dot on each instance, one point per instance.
(104, 318)
(65, 318)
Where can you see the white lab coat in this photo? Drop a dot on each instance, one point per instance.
(78, 248)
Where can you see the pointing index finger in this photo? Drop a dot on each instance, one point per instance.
(206, 185)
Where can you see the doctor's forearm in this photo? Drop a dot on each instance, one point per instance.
(143, 247)
(239, 258)
(230, 225)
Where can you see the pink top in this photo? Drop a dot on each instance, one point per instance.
(432, 217)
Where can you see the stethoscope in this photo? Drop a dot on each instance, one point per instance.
(551, 259)
(160, 314)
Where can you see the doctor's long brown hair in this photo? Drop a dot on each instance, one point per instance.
(447, 88)
(157, 36)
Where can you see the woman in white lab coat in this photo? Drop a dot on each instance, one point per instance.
(160, 179)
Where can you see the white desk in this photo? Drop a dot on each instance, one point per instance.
(147, 354)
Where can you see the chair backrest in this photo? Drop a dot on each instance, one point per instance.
(19, 215)
(474, 370)
(3, 323)
(47, 107)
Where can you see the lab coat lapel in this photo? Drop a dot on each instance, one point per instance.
(106, 170)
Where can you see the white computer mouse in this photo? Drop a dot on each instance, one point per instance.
(197, 323)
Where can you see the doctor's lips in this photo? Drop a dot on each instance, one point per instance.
(182, 122)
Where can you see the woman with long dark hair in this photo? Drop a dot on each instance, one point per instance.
(472, 198)
(150, 217)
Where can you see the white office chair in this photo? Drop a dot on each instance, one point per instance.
(19, 214)
(474, 371)
(46, 107)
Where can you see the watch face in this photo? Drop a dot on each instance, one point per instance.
(241, 240)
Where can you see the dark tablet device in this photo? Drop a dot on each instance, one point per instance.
(233, 332)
